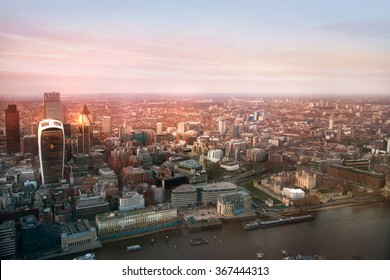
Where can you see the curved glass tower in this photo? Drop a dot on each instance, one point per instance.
(51, 144)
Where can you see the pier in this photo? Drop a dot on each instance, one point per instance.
(204, 224)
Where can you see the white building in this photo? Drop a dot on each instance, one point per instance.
(215, 155)
(184, 196)
(293, 194)
(221, 127)
(159, 128)
(230, 166)
(181, 127)
(120, 221)
(131, 201)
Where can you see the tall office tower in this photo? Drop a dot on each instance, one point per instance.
(53, 107)
(84, 140)
(331, 121)
(106, 124)
(51, 146)
(159, 128)
(181, 127)
(12, 129)
(221, 127)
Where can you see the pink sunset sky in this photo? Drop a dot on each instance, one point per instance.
(335, 47)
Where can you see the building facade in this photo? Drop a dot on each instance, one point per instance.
(210, 192)
(51, 145)
(77, 234)
(131, 201)
(53, 107)
(12, 128)
(184, 196)
(131, 220)
(231, 204)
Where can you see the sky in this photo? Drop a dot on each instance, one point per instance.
(300, 47)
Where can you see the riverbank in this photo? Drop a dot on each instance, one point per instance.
(334, 205)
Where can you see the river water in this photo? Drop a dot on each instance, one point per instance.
(339, 234)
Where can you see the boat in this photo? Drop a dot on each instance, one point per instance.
(280, 221)
(198, 241)
(133, 248)
(260, 255)
(88, 256)
(285, 256)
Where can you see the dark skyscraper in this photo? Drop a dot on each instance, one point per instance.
(12, 128)
(51, 144)
(53, 107)
(85, 127)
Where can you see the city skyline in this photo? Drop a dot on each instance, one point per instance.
(252, 47)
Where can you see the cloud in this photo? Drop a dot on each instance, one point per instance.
(363, 28)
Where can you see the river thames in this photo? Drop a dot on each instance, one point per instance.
(338, 233)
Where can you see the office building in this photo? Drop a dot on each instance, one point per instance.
(159, 128)
(30, 144)
(107, 124)
(53, 107)
(131, 201)
(12, 128)
(7, 240)
(79, 234)
(214, 155)
(84, 140)
(231, 204)
(184, 196)
(210, 192)
(132, 221)
(51, 145)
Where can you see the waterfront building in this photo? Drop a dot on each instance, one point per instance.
(356, 175)
(231, 204)
(210, 192)
(12, 127)
(7, 240)
(51, 145)
(184, 196)
(53, 108)
(88, 207)
(131, 201)
(305, 180)
(78, 234)
(109, 223)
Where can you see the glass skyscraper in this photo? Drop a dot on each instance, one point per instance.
(51, 144)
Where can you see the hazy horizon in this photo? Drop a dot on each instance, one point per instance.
(289, 48)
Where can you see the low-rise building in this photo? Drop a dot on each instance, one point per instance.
(109, 223)
(210, 192)
(230, 204)
(305, 180)
(184, 196)
(131, 201)
(77, 234)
